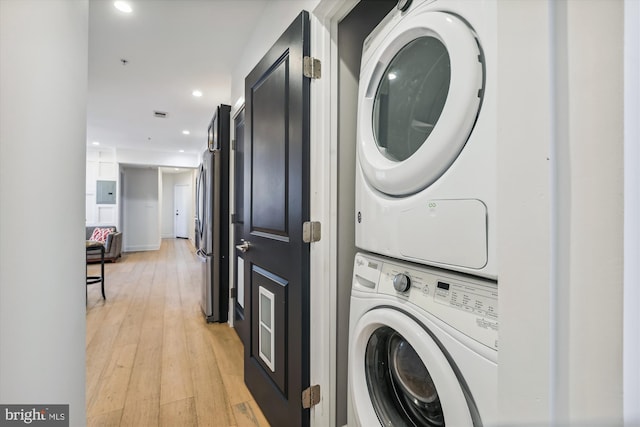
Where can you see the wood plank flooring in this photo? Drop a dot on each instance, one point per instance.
(152, 360)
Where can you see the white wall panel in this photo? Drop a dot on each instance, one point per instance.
(632, 214)
(107, 215)
(524, 204)
(43, 90)
(560, 206)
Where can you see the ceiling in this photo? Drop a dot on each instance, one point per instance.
(170, 48)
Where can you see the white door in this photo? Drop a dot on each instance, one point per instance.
(181, 206)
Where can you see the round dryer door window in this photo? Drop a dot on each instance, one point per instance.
(421, 88)
(410, 97)
(401, 377)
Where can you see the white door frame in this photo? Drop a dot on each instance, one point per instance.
(323, 254)
(237, 107)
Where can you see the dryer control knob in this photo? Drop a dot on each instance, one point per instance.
(401, 282)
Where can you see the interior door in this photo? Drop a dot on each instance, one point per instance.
(240, 322)
(276, 205)
(181, 202)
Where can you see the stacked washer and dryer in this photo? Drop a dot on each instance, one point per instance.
(423, 332)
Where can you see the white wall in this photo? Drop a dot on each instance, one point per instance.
(101, 166)
(43, 88)
(278, 14)
(560, 204)
(592, 213)
(141, 203)
(129, 156)
(632, 214)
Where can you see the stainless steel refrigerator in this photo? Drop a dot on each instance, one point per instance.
(212, 219)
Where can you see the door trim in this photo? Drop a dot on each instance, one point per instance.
(323, 206)
(235, 110)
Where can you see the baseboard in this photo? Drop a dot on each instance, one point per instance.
(141, 248)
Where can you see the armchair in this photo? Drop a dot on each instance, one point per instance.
(112, 246)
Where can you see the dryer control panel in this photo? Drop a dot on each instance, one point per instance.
(466, 303)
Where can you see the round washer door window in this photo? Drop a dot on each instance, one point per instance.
(402, 390)
(400, 377)
(420, 95)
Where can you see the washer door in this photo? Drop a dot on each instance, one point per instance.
(420, 95)
(400, 377)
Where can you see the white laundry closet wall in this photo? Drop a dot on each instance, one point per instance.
(560, 182)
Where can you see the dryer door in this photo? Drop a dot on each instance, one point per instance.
(401, 377)
(421, 87)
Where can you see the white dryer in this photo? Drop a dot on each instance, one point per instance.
(426, 145)
(423, 346)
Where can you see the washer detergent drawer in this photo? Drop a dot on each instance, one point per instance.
(452, 232)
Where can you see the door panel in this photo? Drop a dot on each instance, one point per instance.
(276, 205)
(270, 147)
(269, 330)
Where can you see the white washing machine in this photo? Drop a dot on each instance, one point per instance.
(426, 145)
(423, 346)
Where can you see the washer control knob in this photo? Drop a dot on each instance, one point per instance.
(401, 282)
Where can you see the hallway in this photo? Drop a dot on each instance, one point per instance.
(151, 358)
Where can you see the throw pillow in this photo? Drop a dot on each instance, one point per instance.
(101, 234)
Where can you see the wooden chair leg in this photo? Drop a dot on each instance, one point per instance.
(102, 273)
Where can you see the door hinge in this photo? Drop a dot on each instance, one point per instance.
(233, 144)
(232, 293)
(311, 231)
(312, 67)
(311, 396)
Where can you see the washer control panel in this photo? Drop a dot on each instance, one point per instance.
(467, 303)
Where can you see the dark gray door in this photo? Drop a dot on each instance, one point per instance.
(240, 314)
(276, 205)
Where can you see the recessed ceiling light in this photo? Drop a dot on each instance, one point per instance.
(185, 132)
(182, 151)
(123, 6)
(176, 169)
(392, 76)
(197, 93)
(95, 143)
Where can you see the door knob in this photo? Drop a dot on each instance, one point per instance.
(244, 246)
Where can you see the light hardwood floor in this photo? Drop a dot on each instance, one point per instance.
(152, 360)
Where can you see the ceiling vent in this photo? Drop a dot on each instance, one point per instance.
(160, 114)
